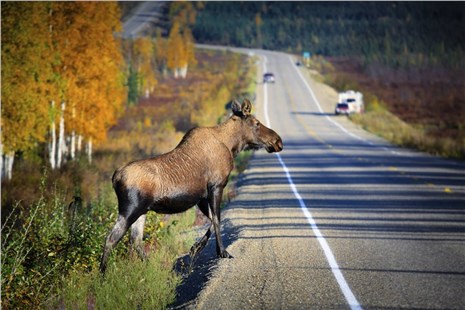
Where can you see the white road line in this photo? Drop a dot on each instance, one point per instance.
(349, 296)
(321, 110)
(331, 120)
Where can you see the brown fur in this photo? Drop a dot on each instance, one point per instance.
(194, 173)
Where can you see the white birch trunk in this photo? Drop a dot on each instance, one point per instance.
(61, 136)
(89, 150)
(73, 137)
(7, 165)
(9, 168)
(79, 143)
(183, 71)
(53, 142)
(73, 145)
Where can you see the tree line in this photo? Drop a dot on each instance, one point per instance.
(67, 74)
(61, 70)
(398, 34)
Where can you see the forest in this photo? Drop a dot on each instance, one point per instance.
(399, 34)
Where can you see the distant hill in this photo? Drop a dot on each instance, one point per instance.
(399, 34)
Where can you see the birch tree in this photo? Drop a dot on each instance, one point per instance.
(53, 137)
(180, 41)
(144, 53)
(61, 67)
(26, 70)
(91, 64)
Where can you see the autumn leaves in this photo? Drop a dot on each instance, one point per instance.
(66, 73)
(61, 63)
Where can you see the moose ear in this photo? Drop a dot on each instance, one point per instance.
(246, 107)
(237, 108)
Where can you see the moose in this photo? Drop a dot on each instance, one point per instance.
(193, 173)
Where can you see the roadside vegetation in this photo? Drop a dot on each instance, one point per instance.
(58, 204)
(55, 222)
(421, 113)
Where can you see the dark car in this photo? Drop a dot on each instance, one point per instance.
(342, 108)
(268, 78)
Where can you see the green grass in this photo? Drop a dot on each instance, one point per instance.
(129, 282)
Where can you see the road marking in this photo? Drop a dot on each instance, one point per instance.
(349, 296)
(330, 119)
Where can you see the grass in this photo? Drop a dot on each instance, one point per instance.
(392, 128)
(129, 282)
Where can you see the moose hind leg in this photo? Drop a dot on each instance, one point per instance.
(199, 245)
(112, 240)
(137, 232)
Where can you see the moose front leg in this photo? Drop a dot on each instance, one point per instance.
(214, 199)
(199, 245)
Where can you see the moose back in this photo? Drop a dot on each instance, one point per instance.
(194, 173)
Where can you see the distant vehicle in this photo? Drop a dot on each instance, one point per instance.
(268, 78)
(342, 108)
(353, 100)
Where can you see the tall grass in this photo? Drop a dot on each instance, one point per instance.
(383, 123)
(43, 243)
(130, 283)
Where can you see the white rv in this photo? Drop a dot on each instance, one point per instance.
(353, 100)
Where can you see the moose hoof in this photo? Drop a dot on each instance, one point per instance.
(225, 254)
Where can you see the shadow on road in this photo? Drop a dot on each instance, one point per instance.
(352, 195)
(203, 266)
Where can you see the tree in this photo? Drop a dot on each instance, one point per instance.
(144, 62)
(26, 73)
(61, 67)
(91, 64)
(176, 54)
(258, 25)
(180, 48)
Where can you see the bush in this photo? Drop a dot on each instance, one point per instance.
(42, 244)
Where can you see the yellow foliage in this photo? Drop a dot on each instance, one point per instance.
(26, 70)
(90, 63)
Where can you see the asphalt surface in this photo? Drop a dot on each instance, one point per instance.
(340, 219)
(143, 18)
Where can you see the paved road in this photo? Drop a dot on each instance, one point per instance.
(340, 219)
(144, 17)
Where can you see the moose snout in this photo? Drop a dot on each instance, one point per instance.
(279, 144)
(275, 146)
